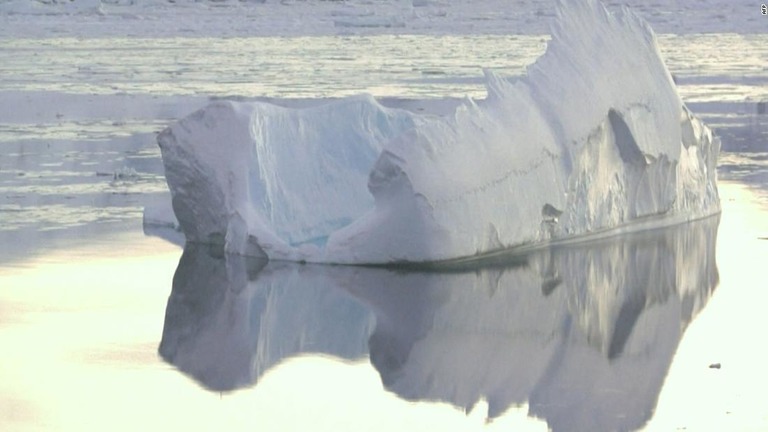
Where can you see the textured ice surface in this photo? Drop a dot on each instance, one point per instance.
(322, 17)
(595, 137)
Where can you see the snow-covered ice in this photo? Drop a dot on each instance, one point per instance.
(593, 138)
(78, 18)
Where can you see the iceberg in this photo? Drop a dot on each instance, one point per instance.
(594, 139)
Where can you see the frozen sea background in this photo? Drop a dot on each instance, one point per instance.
(578, 338)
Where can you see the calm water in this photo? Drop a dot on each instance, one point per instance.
(606, 336)
(106, 328)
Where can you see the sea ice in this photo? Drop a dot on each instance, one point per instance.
(593, 139)
(242, 18)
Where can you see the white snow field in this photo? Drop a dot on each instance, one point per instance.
(162, 18)
(593, 138)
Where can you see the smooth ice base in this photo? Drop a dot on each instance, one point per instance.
(594, 138)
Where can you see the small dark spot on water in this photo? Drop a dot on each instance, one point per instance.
(715, 366)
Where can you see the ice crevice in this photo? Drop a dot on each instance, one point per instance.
(593, 138)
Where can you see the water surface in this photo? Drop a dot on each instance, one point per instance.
(99, 334)
(610, 335)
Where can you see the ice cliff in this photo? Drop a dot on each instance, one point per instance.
(594, 138)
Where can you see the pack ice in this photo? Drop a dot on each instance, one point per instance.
(594, 139)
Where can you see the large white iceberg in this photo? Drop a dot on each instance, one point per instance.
(594, 138)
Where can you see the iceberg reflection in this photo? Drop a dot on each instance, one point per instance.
(230, 318)
(583, 333)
